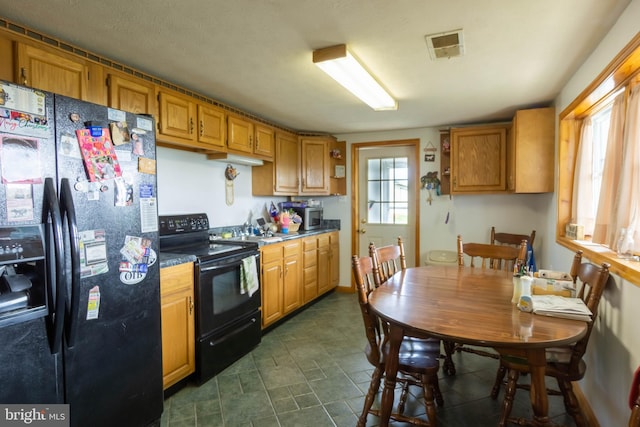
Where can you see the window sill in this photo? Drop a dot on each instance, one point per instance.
(597, 254)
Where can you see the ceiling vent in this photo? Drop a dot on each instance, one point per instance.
(445, 45)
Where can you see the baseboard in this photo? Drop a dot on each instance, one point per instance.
(589, 415)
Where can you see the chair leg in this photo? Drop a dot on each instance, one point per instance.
(509, 394)
(502, 371)
(427, 388)
(403, 396)
(448, 366)
(368, 400)
(571, 402)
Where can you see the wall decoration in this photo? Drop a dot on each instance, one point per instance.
(230, 173)
(429, 157)
(431, 182)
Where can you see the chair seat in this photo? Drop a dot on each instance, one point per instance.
(415, 355)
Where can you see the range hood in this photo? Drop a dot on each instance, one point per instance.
(235, 159)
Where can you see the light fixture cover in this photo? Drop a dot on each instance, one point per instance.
(338, 63)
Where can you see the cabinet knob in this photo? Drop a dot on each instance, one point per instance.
(23, 76)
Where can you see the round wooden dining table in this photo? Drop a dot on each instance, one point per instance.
(470, 306)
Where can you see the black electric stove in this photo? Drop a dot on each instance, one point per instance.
(227, 303)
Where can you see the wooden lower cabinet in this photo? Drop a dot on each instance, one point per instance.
(178, 323)
(281, 279)
(310, 268)
(334, 259)
(324, 250)
(295, 272)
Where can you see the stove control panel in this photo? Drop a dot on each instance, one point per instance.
(177, 224)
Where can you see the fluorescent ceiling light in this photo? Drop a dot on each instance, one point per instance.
(346, 70)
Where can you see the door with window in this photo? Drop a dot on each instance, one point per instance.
(386, 193)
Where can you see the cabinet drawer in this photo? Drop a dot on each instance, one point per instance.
(271, 253)
(309, 258)
(323, 240)
(309, 244)
(176, 277)
(291, 248)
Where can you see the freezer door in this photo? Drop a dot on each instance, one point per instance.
(113, 359)
(30, 373)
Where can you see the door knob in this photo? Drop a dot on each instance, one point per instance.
(362, 230)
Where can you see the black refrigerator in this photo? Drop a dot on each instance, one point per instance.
(79, 284)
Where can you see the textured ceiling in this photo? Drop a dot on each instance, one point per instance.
(256, 54)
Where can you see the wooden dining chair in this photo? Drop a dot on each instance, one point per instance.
(418, 363)
(634, 400)
(485, 256)
(511, 239)
(388, 260)
(565, 364)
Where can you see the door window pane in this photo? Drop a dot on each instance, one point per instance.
(387, 187)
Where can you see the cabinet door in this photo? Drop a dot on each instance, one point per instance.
(211, 126)
(531, 151)
(286, 164)
(315, 166)
(292, 275)
(129, 95)
(177, 116)
(265, 141)
(271, 292)
(478, 159)
(240, 134)
(309, 269)
(60, 74)
(324, 269)
(334, 259)
(178, 323)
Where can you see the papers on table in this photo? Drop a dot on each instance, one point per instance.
(557, 306)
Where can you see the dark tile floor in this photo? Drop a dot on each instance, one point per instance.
(311, 371)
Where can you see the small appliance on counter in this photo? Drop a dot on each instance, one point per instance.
(310, 211)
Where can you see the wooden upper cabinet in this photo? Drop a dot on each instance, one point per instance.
(177, 116)
(314, 165)
(130, 94)
(478, 159)
(190, 124)
(63, 74)
(286, 162)
(280, 177)
(265, 141)
(240, 134)
(211, 126)
(531, 151)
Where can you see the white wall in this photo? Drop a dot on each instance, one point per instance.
(189, 183)
(614, 347)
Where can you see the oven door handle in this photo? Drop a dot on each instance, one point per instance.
(217, 267)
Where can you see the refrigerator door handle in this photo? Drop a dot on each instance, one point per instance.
(57, 302)
(69, 214)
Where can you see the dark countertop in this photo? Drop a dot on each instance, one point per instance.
(168, 259)
(279, 237)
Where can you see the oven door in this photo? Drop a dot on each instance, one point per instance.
(219, 298)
